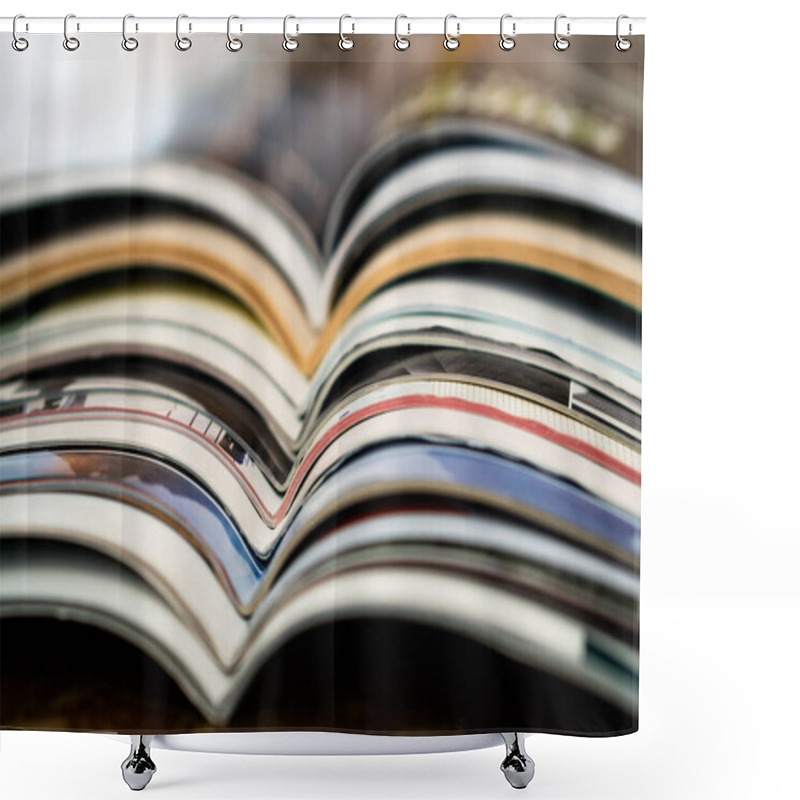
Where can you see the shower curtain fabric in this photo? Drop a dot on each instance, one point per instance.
(320, 386)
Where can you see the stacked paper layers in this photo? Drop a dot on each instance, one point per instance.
(435, 419)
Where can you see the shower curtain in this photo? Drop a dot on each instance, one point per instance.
(320, 384)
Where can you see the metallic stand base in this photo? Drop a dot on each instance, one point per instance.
(138, 768)
(517, 766)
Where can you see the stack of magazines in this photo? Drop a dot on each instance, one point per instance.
(257, 472)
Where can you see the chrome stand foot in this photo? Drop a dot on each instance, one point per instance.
(517, 766)
(138, 768)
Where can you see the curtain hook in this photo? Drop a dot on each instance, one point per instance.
(401, 42)
(451, 42)
(71, 43)
(290, 43)
(233, 44)
(345, 42)
(506, 41)
(560, 42)
(18, 42)
(623, 44)
(183, 43)
(129, 43)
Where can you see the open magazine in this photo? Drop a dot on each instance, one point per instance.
(224, 429)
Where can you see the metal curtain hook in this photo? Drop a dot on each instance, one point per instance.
(451, 42)
(18, 42)
(506, 41)
(623, 44)
(70, 42)
(290, 43)
(182, 42)
(401, 42)
(233, 44)
(560, 42)
(129, 43)
(345, 42)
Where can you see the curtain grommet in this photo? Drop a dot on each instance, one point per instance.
(290, 43)
(451, 42)
(19, 43)
(182, 43)
(71, 43)
(129, 43)
(401, 43)
(507, 42)
(345, 42)
(622, 44)
(560, 42)
(233, 44)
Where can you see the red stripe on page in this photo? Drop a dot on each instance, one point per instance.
(459, 404)
(350, 420)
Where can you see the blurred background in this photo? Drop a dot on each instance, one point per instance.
(298, 122)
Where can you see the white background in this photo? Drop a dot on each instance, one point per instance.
(720, 703)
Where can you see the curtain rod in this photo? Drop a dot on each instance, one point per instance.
(457, 26)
